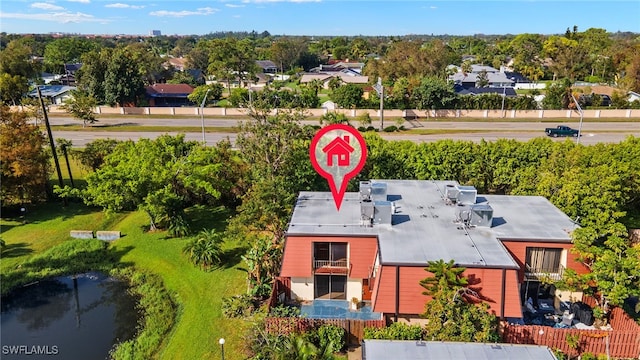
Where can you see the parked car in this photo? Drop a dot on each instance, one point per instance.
(561, 130)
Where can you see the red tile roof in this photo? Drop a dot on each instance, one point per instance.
(165, 89)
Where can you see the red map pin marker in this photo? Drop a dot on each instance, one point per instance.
(338, 152)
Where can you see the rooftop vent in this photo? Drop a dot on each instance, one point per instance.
(481, 215)
(378, 191)
(466, 194)
(382, 212)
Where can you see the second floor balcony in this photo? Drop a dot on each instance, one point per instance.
(340, 266)
(544, 273)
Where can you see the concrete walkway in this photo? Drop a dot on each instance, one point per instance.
(354, 353)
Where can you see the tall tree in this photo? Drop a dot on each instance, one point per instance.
(92, 74)
(66, 50)
(123, 84)
(230, 58)
(348, 96)
(161, 177)
(12, 88)
(24, 160)
(16, 59)
(434, 93)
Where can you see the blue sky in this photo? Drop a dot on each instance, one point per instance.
(316, 17)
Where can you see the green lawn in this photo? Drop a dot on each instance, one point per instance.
(199, 322)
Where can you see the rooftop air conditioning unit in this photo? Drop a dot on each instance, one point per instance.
(378, 191)
(366, 212)
(382, 212)
(466, 194)
(463, 214)
(365, 190)
(481, 215)
(451, 193)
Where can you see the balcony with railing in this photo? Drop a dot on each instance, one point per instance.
(340, 266)
(544, 273)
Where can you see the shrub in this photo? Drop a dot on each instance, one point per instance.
(206, 249)
(331, 336)
(391, 128)
(238, 306)
(285, 311)
(395, 331)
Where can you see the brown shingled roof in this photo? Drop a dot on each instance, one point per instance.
(169, 89)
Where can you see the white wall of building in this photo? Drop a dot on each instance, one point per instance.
(302, 288)
(354, 289)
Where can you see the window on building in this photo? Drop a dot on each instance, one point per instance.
(330, 254)
(330, 287)
(543, 260)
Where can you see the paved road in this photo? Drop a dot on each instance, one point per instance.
(81, 138)
(592, 132)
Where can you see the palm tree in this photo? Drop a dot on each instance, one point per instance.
(315, 85)
(206, 249)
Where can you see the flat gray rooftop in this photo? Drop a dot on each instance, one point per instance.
(424, 228)
(435, 350)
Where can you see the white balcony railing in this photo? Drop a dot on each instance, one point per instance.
(539, 273)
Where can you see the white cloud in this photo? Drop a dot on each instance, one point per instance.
(60, 17)
(433, 7)
(183, 13)
(124, 6)
(234, 6)
(81, 1)
(46, 6)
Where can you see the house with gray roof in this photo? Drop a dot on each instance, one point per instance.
(376, 246)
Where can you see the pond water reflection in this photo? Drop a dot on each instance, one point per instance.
(70, 317)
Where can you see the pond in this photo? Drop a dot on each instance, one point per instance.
(71, 317)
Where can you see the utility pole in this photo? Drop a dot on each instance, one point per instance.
(51, 142)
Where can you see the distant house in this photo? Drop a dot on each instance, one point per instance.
(267, 66)
(178, 64)
(345, 76)
(507, 91)
(169, 94)
(48, 77)
(495, 78)
(633, 96)
(69, 76)
(56, 94)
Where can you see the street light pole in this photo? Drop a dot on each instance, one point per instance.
(204, 141)
(581, 116)
(221, 342)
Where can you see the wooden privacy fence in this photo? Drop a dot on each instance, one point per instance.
(623, 341)
(354, 328)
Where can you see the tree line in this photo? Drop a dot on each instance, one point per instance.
(115, 70)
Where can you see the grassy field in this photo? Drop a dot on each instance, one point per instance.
(199, 322)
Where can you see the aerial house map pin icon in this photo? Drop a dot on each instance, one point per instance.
(338, 152)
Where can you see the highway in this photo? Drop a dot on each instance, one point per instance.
(592, 132)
